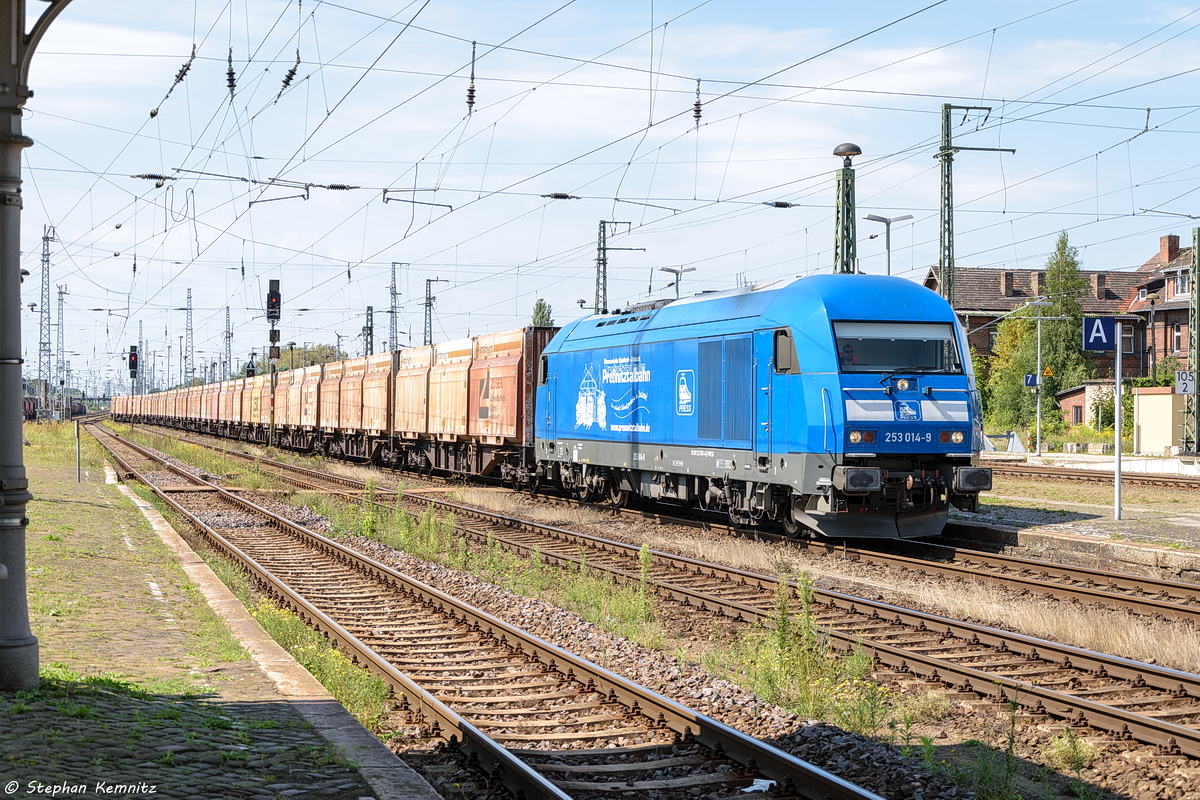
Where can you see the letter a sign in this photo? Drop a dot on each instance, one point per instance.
(1098, 333)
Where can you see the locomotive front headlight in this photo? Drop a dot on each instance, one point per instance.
(957, 437)
(855, 437)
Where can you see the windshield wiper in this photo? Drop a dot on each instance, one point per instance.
(918, 370)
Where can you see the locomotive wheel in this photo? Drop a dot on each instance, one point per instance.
(618, 497)
(791, 528)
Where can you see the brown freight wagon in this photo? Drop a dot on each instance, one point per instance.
(225, 416)
(283, 380)
(310, 408)
(237, 392)
(410, 409)
(331, 385)
(265, 401)
(194, 402)
(350, 396)
(377, 394)
(289, 415)
(448, 389)
(502, 380)
(255, 391)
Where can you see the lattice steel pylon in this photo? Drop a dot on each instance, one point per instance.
(845, 245)
(45, 363)
(429, 300)
(602, 248)
(189, 355)
(393, 326)
(60, 376)
(946, 219)
(368, 333)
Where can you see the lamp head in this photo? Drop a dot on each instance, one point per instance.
(847, 150)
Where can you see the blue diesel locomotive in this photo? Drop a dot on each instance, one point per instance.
(840, 405)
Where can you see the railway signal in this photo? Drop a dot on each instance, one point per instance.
(274, 301)
(133, 361)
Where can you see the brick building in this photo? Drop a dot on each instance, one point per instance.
(1159, 288)
(1162, 300)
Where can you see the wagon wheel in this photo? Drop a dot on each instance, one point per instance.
(618, 497)
(535, 483)
(791, 528)
(584, 493)
(738, 519)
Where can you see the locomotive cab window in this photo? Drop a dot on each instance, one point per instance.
(543, 370)
(929, 347)
(785, 353)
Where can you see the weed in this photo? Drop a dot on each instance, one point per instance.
(929, 754)
(51, 537)
(1070, 753)
(167, 759)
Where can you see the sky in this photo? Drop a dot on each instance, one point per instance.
(347, 149)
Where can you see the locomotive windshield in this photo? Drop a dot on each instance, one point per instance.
(897, 347)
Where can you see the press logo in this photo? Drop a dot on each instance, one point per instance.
(907, 411)
(685, 383)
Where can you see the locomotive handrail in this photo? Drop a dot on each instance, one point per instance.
(826, 412)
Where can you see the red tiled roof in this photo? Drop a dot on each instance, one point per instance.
(983, 289)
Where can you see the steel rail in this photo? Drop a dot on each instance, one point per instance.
(1169, 736)
(1163, 599)
(1159, 480)
(787, 770)
(443, 721)
(1117, 590)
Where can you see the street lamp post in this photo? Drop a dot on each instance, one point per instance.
(291, 355)
(678, 273)
(887, 232)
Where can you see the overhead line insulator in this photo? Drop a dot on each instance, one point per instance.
(231, 76)
(471, 88)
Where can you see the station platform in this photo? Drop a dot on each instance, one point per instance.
(156, 681)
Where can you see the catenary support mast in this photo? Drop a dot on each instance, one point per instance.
(45, 373)
(946, 227)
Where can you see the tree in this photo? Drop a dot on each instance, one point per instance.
(1012, 404)
(542, 314)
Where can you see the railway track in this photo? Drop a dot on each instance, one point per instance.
(1145, 596)
(1147, 703)
(475, 681)
(1189, 483)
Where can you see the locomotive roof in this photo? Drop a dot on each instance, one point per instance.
(795, 301)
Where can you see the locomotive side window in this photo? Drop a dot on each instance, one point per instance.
(785, 353)
(917, 347)
(543, 370)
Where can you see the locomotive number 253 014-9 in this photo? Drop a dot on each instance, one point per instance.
(907, 437)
